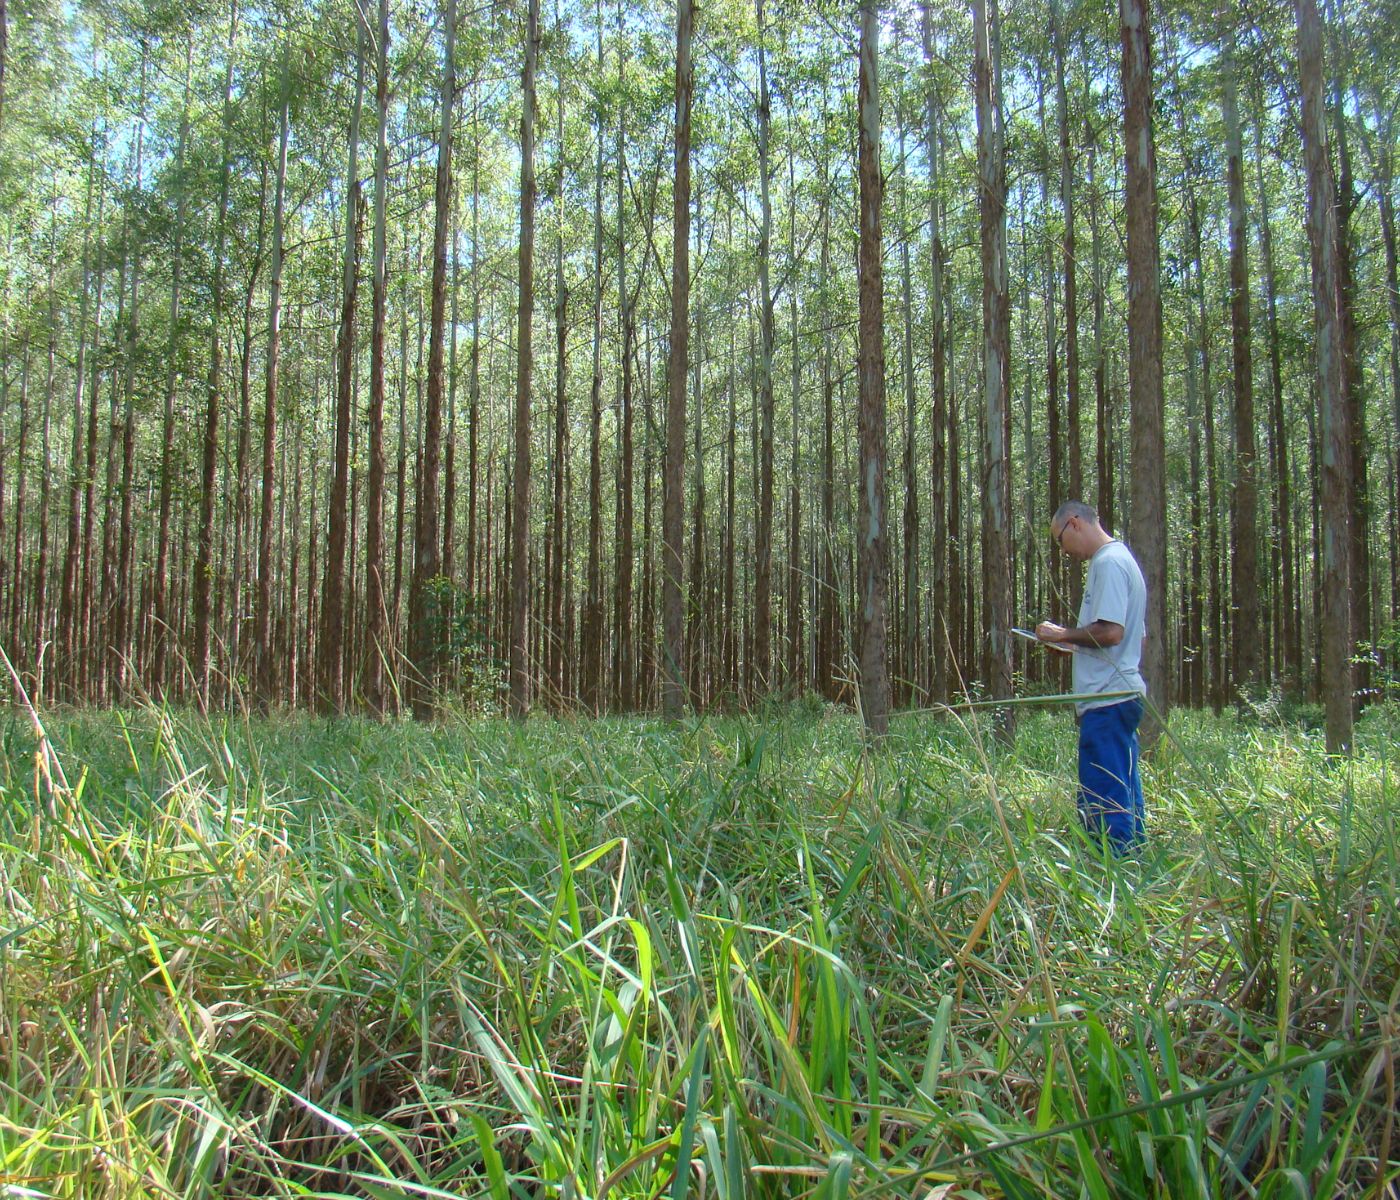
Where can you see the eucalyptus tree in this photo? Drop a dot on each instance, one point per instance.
(520, 478)
(673, 478)
(872, 522)
(997, 540)
(1324, 249)
(425, 633)
(1149, 500)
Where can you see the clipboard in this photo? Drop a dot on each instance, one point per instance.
(1029, 635)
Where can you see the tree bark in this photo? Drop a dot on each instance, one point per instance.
(592, 639)
(376, 629)
(160, 581)
(763, 565)
(520, 482)
(1149, 498)
(996, 366)
(1335, 436)
(331, 644)
(673, 504)
(871, 530)
(425, 622)
(266, 673)
(1248, 668)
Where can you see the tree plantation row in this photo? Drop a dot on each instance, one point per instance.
(606, 357)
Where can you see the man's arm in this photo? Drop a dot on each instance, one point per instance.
(1097, 635)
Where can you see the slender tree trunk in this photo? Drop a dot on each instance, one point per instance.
(1290, 603)
(871, 526)
(673, 515)
(331, 644)
(911, 650)
(1248, 669)
(624, 673)
(1149, 498)
(592, 647)
(520, 483)
(798, 674)
(554, 624)
(938, 419)
(266, 673)
(123, 605)
(996, 366)
(763, 566)
(1335, 435)
(376, 630)
(425, 623)
(160, 580)
(68, 630)
(1386, 196)
(1069, 250)
(204, 555)
(87, 670)
(1103, 460)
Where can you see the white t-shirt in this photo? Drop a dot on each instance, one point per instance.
(1115, 591)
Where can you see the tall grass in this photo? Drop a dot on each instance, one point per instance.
(621, 959)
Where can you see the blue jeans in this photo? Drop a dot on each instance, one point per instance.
(1110, 788)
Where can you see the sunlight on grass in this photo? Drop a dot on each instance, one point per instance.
(618, 958)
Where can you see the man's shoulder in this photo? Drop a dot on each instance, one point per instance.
(1117, 559)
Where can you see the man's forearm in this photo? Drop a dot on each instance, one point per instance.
(1097, 635)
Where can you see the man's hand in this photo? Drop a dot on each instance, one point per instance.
(1048, 631)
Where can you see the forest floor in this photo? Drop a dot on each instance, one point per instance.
(728, 957)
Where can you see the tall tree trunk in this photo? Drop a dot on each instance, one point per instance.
(1073, 432)
(624, 672)
(520, 482)
(68, 629)
(996, 364)
(331, 643)
(376, 631)
(554, 585)
(1335, 436)
(204, 555)
(943, 640)
(798, 674)
(673, 514)
(763, 565)
(266, 673)
(1248, 669)
(87, 671)
(592, 647)
(910, 650)
(1103, 460)
(160, 581)
(1149, 497)
(871, 525)
(1290, 602)
(1386, 196)
(425, 623)
(122, 603)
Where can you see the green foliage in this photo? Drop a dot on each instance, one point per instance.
(617, 958)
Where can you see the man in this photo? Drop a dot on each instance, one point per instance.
(1107, 645)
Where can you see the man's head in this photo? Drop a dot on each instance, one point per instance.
(1076, 530)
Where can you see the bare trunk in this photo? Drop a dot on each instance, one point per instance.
(1149, 498)
(425, 622)
(871, 526)
(266, 673)
(520, 482)
(376, 630)
(1248, 667)
(673, 505)
(1335, 436)
(996, 366)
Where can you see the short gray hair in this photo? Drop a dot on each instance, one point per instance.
(1074, 508)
